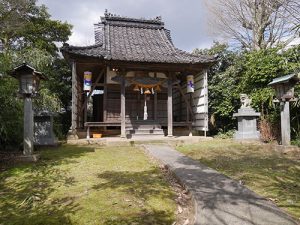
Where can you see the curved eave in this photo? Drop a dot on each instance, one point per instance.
(73, 52)
(75, 55)
(96, 52)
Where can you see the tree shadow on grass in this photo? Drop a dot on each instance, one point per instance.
(25, 190)
(144, 186)
(153, 217)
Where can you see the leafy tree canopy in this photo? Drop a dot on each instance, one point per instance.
(27, 33)
(246, 72)
(24, 24)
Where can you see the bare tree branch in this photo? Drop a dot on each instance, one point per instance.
(255, 24)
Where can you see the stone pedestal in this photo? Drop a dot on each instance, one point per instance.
(43, 130)
(247, 124)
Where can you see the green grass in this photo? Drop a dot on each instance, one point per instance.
(271, 174)
(81, 185)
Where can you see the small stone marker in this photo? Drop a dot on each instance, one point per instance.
(43, 129)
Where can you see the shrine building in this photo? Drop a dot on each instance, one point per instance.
(134, 81)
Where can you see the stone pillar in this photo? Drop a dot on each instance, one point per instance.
(285, 123)
(72, 134)
(123, 113)
(28, 127)
(170, 107)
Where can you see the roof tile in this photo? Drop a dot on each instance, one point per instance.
(137, 40)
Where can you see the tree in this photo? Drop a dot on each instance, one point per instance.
(23, 24)
(255, 24)
(27, 33)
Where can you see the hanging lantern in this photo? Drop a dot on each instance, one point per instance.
(157, 88)
(147, 92)
(87, 81)
(190, 83)
(136, 88)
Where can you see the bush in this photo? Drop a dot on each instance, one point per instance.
(296, 142)
(225, 134)
(268, 131)
(11, 115)
(62, 123)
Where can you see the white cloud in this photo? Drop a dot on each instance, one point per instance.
(185, 18)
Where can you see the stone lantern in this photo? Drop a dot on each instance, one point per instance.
(29, 81)
(284, 88)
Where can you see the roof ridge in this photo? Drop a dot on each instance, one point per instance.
(113, 17)
(82, 47)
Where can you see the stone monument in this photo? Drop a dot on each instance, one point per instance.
(247, 121)
(43, 129)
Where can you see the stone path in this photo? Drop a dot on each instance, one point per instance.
(219, 200)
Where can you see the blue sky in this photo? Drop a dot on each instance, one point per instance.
(187, 19)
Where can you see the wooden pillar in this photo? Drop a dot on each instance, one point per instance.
(155, 106)
(170, 107)
(155, 103)
(105, 97)
(187, 111)
(180, 107)
(206, 101)
(138, 106)
(74, 98)
(85, 108)
(123, 113)
(285, 123)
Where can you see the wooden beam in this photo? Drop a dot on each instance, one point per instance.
(123, 113)
(186, 101)
(92, 89)
(170, 107)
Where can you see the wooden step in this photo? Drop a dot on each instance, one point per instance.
(141, 131)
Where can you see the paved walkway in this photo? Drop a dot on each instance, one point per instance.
(219, 200)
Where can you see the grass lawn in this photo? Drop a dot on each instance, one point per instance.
(271, 174)
(81, 185)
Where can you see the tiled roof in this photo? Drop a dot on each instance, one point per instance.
(135, 40)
